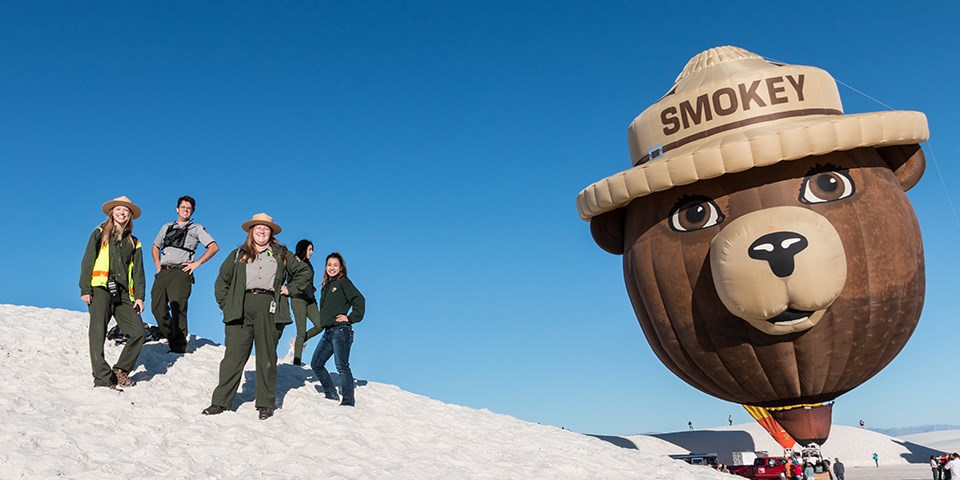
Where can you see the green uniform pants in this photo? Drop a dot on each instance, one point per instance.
(302, 310)
(101, 309)
(168, 301)
(256, 329)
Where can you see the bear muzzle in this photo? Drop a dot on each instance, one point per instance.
(779, 268)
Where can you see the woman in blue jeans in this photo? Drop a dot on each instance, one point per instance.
(341, 305)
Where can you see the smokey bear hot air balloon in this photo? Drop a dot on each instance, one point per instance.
(769, 250)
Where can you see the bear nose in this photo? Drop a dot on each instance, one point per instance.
(778, 250)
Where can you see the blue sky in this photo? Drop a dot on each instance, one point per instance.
(440, 147)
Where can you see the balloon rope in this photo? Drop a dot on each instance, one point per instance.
(841, 82)
(933, 155)
(943, 183)
(864, 94)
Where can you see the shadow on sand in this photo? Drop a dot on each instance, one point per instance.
(157, 358)
(289, 377)
(703, 442)
(916, 453)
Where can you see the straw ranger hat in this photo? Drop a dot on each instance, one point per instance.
(121, 200)
(261, 219)
(730, 110)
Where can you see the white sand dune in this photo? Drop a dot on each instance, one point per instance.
(944, 440)
(56, 425)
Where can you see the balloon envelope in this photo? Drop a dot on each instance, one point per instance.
(763, 417)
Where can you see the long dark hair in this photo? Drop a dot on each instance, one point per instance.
(343, 267)
(302, 246)
(301, 252)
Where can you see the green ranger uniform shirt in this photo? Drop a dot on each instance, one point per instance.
(230, 286)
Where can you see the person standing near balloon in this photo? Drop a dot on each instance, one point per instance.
(789, 469)
(838, 469)
(251, 292)
(112, 285)
(338, 296)
(305, 304)
(952, 468)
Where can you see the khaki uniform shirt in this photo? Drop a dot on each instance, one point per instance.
(196, 235)
(262, 271)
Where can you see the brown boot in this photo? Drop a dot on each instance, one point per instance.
(123, 379)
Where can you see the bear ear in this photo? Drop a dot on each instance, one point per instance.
(607, 231)
(907, 163)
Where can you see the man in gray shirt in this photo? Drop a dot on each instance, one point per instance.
(173, 255)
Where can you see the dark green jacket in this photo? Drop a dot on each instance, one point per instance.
(309, 292)
(336, 298)
(232, 280)
(122, 254)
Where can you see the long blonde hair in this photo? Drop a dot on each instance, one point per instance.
(111, 232)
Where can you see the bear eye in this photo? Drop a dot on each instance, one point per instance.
(825, 187)
(695, 213)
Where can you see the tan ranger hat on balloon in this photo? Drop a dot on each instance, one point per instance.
(122, 200)
(729, 111)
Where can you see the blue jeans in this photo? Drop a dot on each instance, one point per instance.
(335, 342)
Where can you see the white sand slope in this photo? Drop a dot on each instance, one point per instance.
(944, 440)
(56, 425)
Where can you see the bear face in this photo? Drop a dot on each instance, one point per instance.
(786, 284)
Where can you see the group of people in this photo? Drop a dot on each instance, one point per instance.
(945, 467)
(810, 466)
(256, 287)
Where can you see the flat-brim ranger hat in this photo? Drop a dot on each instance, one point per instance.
(261, 219)
(730, 110)
(121, 200)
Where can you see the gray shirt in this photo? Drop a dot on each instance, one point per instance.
(196, 235)
(262, 271)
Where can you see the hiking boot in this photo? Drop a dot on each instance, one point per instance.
(213, 410)
(265, 412)
(331, 395)
(109, 387)
(123, 379)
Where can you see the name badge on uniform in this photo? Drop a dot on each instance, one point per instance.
(273, 306)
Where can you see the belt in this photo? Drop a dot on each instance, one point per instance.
(259, 291)
(171, 267)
